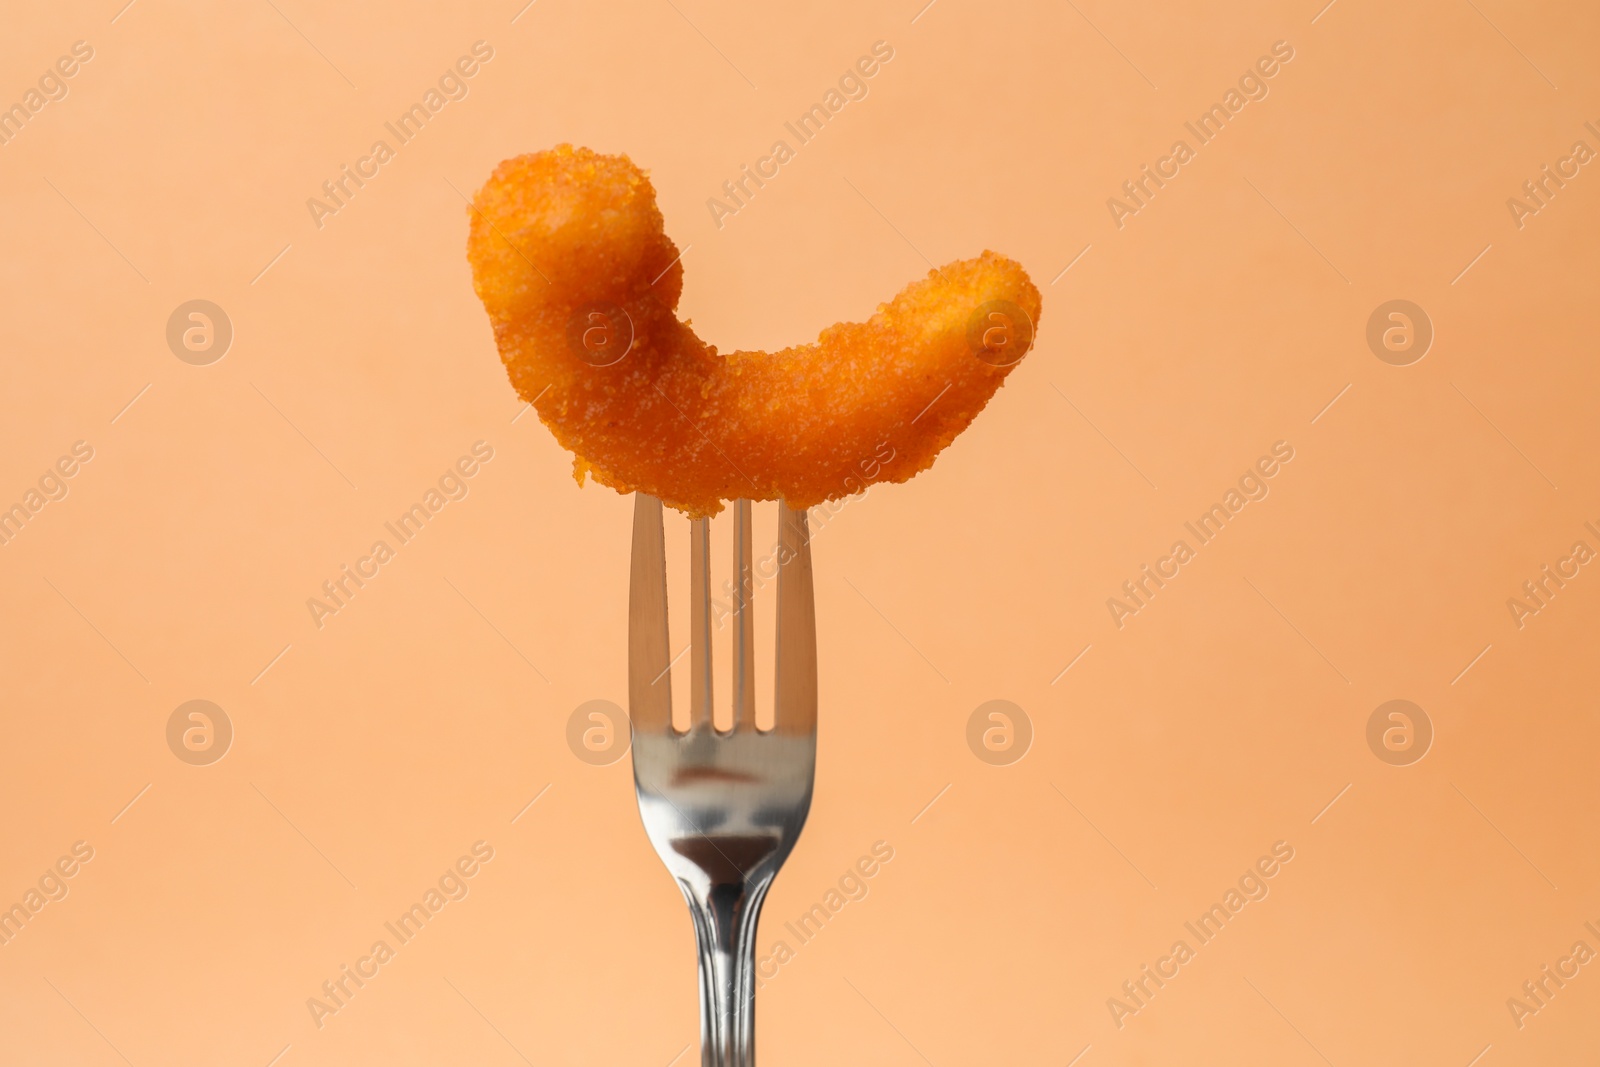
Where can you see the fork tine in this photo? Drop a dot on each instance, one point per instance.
(699, 623)
(649, 653)
(744, 621)
(795, 704)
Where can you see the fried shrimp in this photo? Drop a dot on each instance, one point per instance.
(581, 283)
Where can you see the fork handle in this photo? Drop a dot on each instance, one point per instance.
(725, 919)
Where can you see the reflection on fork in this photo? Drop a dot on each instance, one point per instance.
(723, 809)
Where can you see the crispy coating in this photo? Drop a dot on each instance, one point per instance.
(558, 233)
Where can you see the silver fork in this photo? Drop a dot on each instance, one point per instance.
(723, 810)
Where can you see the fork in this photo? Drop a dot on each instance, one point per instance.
(723, 809)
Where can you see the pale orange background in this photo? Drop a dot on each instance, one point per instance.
(1224, 717)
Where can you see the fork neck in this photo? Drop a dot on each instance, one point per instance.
(725, 917)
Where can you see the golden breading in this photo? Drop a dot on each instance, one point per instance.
(580, 282)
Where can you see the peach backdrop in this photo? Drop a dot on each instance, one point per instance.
(1171, 748)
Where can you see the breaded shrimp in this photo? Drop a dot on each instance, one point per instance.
(581, 283)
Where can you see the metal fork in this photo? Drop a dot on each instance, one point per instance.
(723, 810)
